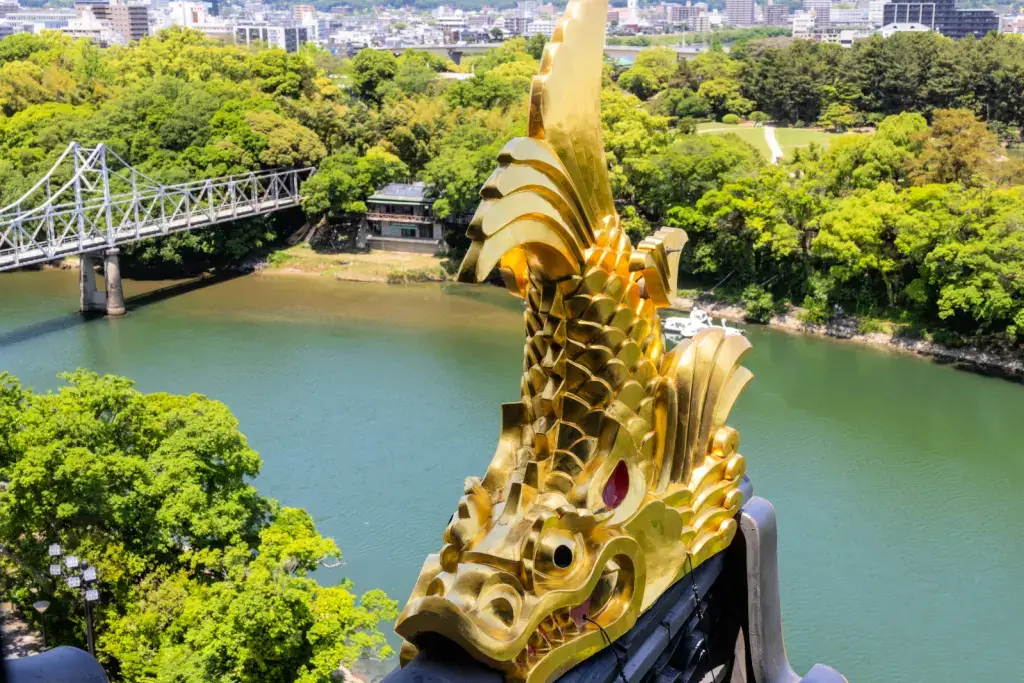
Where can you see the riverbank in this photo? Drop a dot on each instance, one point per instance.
(394, 267)
(993, 359)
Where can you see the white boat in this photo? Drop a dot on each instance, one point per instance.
(678, 328)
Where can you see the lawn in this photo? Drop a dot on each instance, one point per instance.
(791, 139)
(749, 134)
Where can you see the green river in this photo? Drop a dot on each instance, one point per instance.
(898, 483)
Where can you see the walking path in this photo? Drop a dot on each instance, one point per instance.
(19, 638)
(773, 144)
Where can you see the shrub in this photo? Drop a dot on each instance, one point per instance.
(400, 276)
(759, 117)
(815, 311)
(730, 119)
(279, 258)
(759, 304)
(870, 326)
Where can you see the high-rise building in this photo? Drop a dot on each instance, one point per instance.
(304, 14)
(740, 12)
(128, 21)
(942, 16)
(876, 12)
(776, 15)
(822, 11)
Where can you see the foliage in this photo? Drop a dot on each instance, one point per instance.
(758, 303)
(203, 578)
(650, 72)
(917, 220)
(730, 119)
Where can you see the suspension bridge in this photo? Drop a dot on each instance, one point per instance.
(91, 201)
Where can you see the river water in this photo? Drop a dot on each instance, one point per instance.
(897, 482)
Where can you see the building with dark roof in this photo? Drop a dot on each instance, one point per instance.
(942, 16)
(399, 217)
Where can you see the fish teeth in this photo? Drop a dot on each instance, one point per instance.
(552, 631)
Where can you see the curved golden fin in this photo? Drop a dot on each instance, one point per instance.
(565, 100)
(531, 213)
(657, 256)
(708, 378)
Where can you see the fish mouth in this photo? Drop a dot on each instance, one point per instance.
(597, 614)
(587, 617)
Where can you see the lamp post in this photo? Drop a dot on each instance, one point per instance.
(80, 576)
(41, 606)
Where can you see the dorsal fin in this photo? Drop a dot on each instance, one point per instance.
(565, 101)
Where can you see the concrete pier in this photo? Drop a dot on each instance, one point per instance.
(90, 298)
(109, 300)
(112, 277)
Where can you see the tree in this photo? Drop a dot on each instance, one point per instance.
(858, 239)
(687, 169)
(370, 69)
(535, 45)
(958, 148)
(344, 181)
(838, 117)
(650, 72)
(203, 578)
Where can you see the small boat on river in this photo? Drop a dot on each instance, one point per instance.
(679, 328)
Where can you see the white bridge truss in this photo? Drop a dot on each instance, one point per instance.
(91, 199)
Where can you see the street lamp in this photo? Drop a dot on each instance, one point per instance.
(41, 606)
(81, 576)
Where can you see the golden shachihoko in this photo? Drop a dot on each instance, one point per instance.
(615, 473)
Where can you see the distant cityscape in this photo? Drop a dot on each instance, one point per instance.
(344, 30)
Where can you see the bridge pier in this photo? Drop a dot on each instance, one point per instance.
(91, 298)
(112, 278)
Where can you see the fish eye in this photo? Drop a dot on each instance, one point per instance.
(562, 557)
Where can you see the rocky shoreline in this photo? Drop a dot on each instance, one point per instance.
(998, 361)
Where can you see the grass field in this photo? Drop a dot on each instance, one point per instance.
(754, 136)
(790, 139)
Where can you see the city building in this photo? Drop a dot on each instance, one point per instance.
(1013, 24)
(889, 29)
(822, 11)
(692, 15)
(189, 14)
(876, 12)
(129, 21)
(304, 14)
(285, 37)
(803, 24)
(545, 27)
(88, 24)
(8, 7)
(942, 16)
(399, 217)
(740, 12)
(39, 20)
(776, 15)
(857, 16)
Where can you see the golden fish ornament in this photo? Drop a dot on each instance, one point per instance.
(615, 473)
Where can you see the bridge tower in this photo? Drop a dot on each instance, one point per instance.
(109, 300)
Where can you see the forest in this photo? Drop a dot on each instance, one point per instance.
(914, 216)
